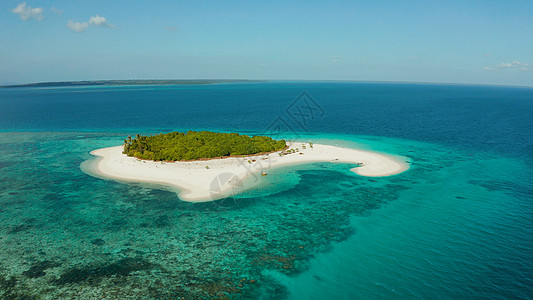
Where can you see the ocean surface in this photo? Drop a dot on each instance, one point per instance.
(457, 225)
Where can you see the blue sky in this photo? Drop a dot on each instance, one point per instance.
(487, 42)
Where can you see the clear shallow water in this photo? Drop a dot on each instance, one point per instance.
(458, 224)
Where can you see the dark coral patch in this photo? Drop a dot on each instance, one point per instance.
(98, 242)
(38, 270)
(93, 275)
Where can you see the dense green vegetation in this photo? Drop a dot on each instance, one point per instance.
(198, 144)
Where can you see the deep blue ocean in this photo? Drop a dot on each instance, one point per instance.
(457, 225)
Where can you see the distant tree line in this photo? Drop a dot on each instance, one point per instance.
(194, 145)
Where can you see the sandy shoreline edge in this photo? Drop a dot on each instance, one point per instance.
(208, 180)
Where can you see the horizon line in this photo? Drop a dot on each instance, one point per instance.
(191, 81)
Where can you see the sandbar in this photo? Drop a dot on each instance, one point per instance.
(208, 180)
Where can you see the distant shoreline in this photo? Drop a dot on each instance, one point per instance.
(130, 82)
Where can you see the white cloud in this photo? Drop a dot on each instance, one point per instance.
(26, 12)
(99, 21)
(512, 65)
(505, 65)
(335, 58)
(77, 26)
(171, 28)
(56, 11)
(93, 21)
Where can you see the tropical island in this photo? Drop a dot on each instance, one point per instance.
(195, 145)
(189, 163)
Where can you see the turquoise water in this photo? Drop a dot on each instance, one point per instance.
(458, 224)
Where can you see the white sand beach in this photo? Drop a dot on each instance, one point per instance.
(198, 181)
